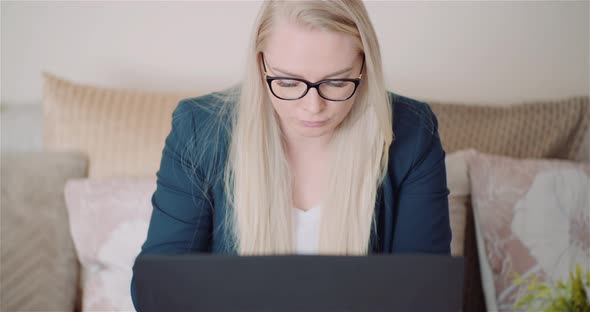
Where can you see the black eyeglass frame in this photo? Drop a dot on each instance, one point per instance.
(269, 79)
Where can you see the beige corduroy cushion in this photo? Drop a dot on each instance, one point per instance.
(534, 129)
(121, 131)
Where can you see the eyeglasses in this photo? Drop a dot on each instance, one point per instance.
(289, 88)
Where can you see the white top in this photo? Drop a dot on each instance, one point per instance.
(306, 230)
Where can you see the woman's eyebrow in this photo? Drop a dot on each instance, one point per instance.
(284, 72)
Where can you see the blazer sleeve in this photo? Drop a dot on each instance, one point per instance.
(181, 214)
(422, 223)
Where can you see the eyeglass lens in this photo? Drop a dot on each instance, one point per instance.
(293, 89)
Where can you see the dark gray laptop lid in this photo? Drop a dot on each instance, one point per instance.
(206, 282)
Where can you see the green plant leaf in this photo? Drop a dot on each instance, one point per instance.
(558, 296)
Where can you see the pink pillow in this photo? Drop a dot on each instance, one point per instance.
(532, 217)
(109, 220)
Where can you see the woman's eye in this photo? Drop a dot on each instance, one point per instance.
(337, 84)
(288, 84)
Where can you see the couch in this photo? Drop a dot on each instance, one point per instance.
(65, 246)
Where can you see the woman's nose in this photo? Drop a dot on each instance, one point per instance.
(313, 102)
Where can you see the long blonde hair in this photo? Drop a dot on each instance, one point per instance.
(257, 178)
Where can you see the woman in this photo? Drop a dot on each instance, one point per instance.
(301, 158)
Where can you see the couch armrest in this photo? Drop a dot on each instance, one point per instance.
(40, 270)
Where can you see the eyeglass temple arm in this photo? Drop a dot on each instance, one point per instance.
(362, 66)
(263, 65)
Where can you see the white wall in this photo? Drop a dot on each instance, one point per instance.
(470, 51)
(446, 50)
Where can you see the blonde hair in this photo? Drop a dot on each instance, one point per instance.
(257, 178)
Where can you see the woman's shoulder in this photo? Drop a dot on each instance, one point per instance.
(205, 118)
(409, 113)
(201, 127)
(208, 108)
(415, 130)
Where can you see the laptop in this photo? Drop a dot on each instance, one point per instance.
(378, 282)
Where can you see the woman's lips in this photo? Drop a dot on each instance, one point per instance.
(314, 123)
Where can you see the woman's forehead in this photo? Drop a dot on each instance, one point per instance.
(308, 52)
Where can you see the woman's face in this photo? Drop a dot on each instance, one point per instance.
(313, 55)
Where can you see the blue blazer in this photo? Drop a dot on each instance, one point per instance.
(412, 214)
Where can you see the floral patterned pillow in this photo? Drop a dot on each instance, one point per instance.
(533, 218)
(109, 221)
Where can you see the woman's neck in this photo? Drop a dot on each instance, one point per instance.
(298, 144)
(304, 148)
